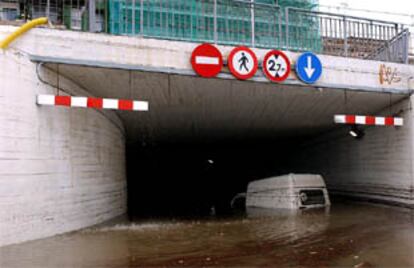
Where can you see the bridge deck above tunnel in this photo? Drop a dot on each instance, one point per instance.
(185, 106)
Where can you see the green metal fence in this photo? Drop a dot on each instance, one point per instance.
(260, 24)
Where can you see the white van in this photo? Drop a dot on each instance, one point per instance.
(293, 191)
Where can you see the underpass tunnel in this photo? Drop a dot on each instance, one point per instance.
(195, 179)
(201, 142)
(204, 140)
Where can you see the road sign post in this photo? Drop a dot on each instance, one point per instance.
(242, 63)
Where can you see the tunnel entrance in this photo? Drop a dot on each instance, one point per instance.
(203, 140)
(190, 179)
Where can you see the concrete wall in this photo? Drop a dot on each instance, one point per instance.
(377, 167)
(173, 57)
(60, 169)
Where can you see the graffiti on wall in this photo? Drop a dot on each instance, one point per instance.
(388, 75)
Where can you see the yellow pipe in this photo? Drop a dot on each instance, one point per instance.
(24, 28)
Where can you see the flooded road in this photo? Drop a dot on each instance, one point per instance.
(349, 235)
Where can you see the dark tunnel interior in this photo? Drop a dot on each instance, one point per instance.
(172, 180)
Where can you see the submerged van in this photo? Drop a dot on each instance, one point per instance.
(293, 191)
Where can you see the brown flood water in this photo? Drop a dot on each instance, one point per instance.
(348, 235)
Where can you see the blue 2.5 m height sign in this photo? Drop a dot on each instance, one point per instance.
(309, 68)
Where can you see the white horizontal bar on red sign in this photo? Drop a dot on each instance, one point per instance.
(369, 120)
(90, 102)
(207, 60)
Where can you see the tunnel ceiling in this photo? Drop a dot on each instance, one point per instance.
(192, 109)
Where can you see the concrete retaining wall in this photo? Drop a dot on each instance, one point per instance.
(377, 167)
(60, 169)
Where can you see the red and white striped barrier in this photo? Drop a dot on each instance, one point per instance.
(90, 102)
(369, 120)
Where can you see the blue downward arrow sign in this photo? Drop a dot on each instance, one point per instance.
(309, 68)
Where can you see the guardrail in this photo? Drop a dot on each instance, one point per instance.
(397, 49)
(231, 22)
(339, 34)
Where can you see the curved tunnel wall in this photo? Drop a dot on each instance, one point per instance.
(60, 169)
(378, 167)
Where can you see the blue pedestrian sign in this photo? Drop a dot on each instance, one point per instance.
(309, 68)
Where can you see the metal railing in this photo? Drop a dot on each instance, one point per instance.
(339, 34)
(397, 49)
(231, 22)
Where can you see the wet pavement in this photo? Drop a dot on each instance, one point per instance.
(346, 235)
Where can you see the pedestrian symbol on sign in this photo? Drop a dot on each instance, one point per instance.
(242, 63)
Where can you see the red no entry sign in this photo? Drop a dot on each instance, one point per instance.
(276, 66)
(207, 60)
(242, 63)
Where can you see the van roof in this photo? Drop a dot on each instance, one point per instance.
(290, 180)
